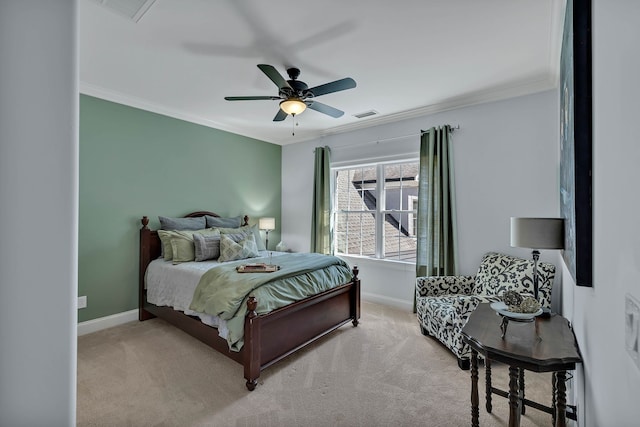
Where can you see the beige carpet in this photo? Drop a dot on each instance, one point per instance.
(382, 373)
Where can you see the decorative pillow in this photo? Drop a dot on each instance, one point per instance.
(230, 250)
(165, 239)
(182, 249)
(500, 272)
(247, 229)
(236, 237)
(206, 247)
(167, 223)
(215, 221)
(186, 248)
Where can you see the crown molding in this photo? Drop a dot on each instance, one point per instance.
(479, 97)
(131, 101)
(497, 93)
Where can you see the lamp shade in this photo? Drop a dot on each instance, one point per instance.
(537, 233)
(293, 106)
(267, 224)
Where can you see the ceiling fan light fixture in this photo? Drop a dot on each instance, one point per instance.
(293, 106)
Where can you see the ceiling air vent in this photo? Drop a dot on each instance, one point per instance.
(131, 9)
(365, 114)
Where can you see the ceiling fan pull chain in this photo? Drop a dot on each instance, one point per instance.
(293, 125)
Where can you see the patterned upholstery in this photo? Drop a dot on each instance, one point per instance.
(444, 303)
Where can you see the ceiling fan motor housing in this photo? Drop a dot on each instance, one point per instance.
(299, 87)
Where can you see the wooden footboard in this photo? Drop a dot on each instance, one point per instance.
(269, 337)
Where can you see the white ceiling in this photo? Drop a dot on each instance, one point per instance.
(408, 57)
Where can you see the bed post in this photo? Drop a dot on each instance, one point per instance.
(145, 259)
(355, 296)
(251, 347)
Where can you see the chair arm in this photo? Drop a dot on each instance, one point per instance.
(433, 286)
(464, 305)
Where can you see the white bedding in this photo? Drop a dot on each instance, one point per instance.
(173, 285)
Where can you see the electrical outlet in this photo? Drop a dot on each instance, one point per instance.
(632, 328)
(82, 302)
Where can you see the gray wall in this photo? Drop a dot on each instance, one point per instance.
(608, 385)
(38, 212)
(506, 157)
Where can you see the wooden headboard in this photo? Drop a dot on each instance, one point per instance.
(150, 246)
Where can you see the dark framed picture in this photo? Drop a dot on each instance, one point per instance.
(576, 141)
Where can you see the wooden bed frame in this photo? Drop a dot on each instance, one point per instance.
(269, 337)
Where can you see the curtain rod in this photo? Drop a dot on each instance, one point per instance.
(378, 141)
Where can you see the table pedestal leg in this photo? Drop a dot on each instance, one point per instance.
(514, 401)
(521, 386)
(561, 399)
(487, 366)
(475, 411)
(554, 403)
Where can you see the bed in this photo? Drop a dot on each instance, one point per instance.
(268, 337)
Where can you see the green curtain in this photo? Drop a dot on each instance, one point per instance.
(437, 253)
(321, 214)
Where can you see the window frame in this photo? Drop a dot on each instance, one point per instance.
(379, 213)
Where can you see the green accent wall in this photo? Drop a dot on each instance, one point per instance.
(135, 163)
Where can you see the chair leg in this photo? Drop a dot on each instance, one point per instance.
(464, 363)
(424, 331)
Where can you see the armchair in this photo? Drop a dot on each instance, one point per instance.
(444, 303)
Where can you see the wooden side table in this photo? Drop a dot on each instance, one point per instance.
(544, 345)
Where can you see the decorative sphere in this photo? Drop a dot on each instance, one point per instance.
(511, 299)
(529, 305)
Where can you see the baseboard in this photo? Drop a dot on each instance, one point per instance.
(101, 323)
(385, 300)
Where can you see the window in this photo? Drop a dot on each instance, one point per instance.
(375, 210)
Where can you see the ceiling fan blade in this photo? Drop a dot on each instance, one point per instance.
(280, 116)
(338, 85)
(274, 75)
(250, 98)
(324, 108)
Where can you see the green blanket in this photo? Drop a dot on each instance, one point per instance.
(223, 292)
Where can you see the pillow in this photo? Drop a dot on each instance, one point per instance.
(236, 237)
(230, 250)
(258, 238)
(500, 272)
(247, 229)
(182, 223)
(206, 247)
(186, 249)
(215, 221)
(182, 249)
(165, 240)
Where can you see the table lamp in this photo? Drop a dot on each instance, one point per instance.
(537, 233)
(267, 224)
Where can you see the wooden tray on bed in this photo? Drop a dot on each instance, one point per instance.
(257, 268)
(269, 337)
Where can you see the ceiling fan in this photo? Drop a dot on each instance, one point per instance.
(296, 96)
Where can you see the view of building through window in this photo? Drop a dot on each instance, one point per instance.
(375, 209)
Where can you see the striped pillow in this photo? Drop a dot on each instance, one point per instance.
(206, 247)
